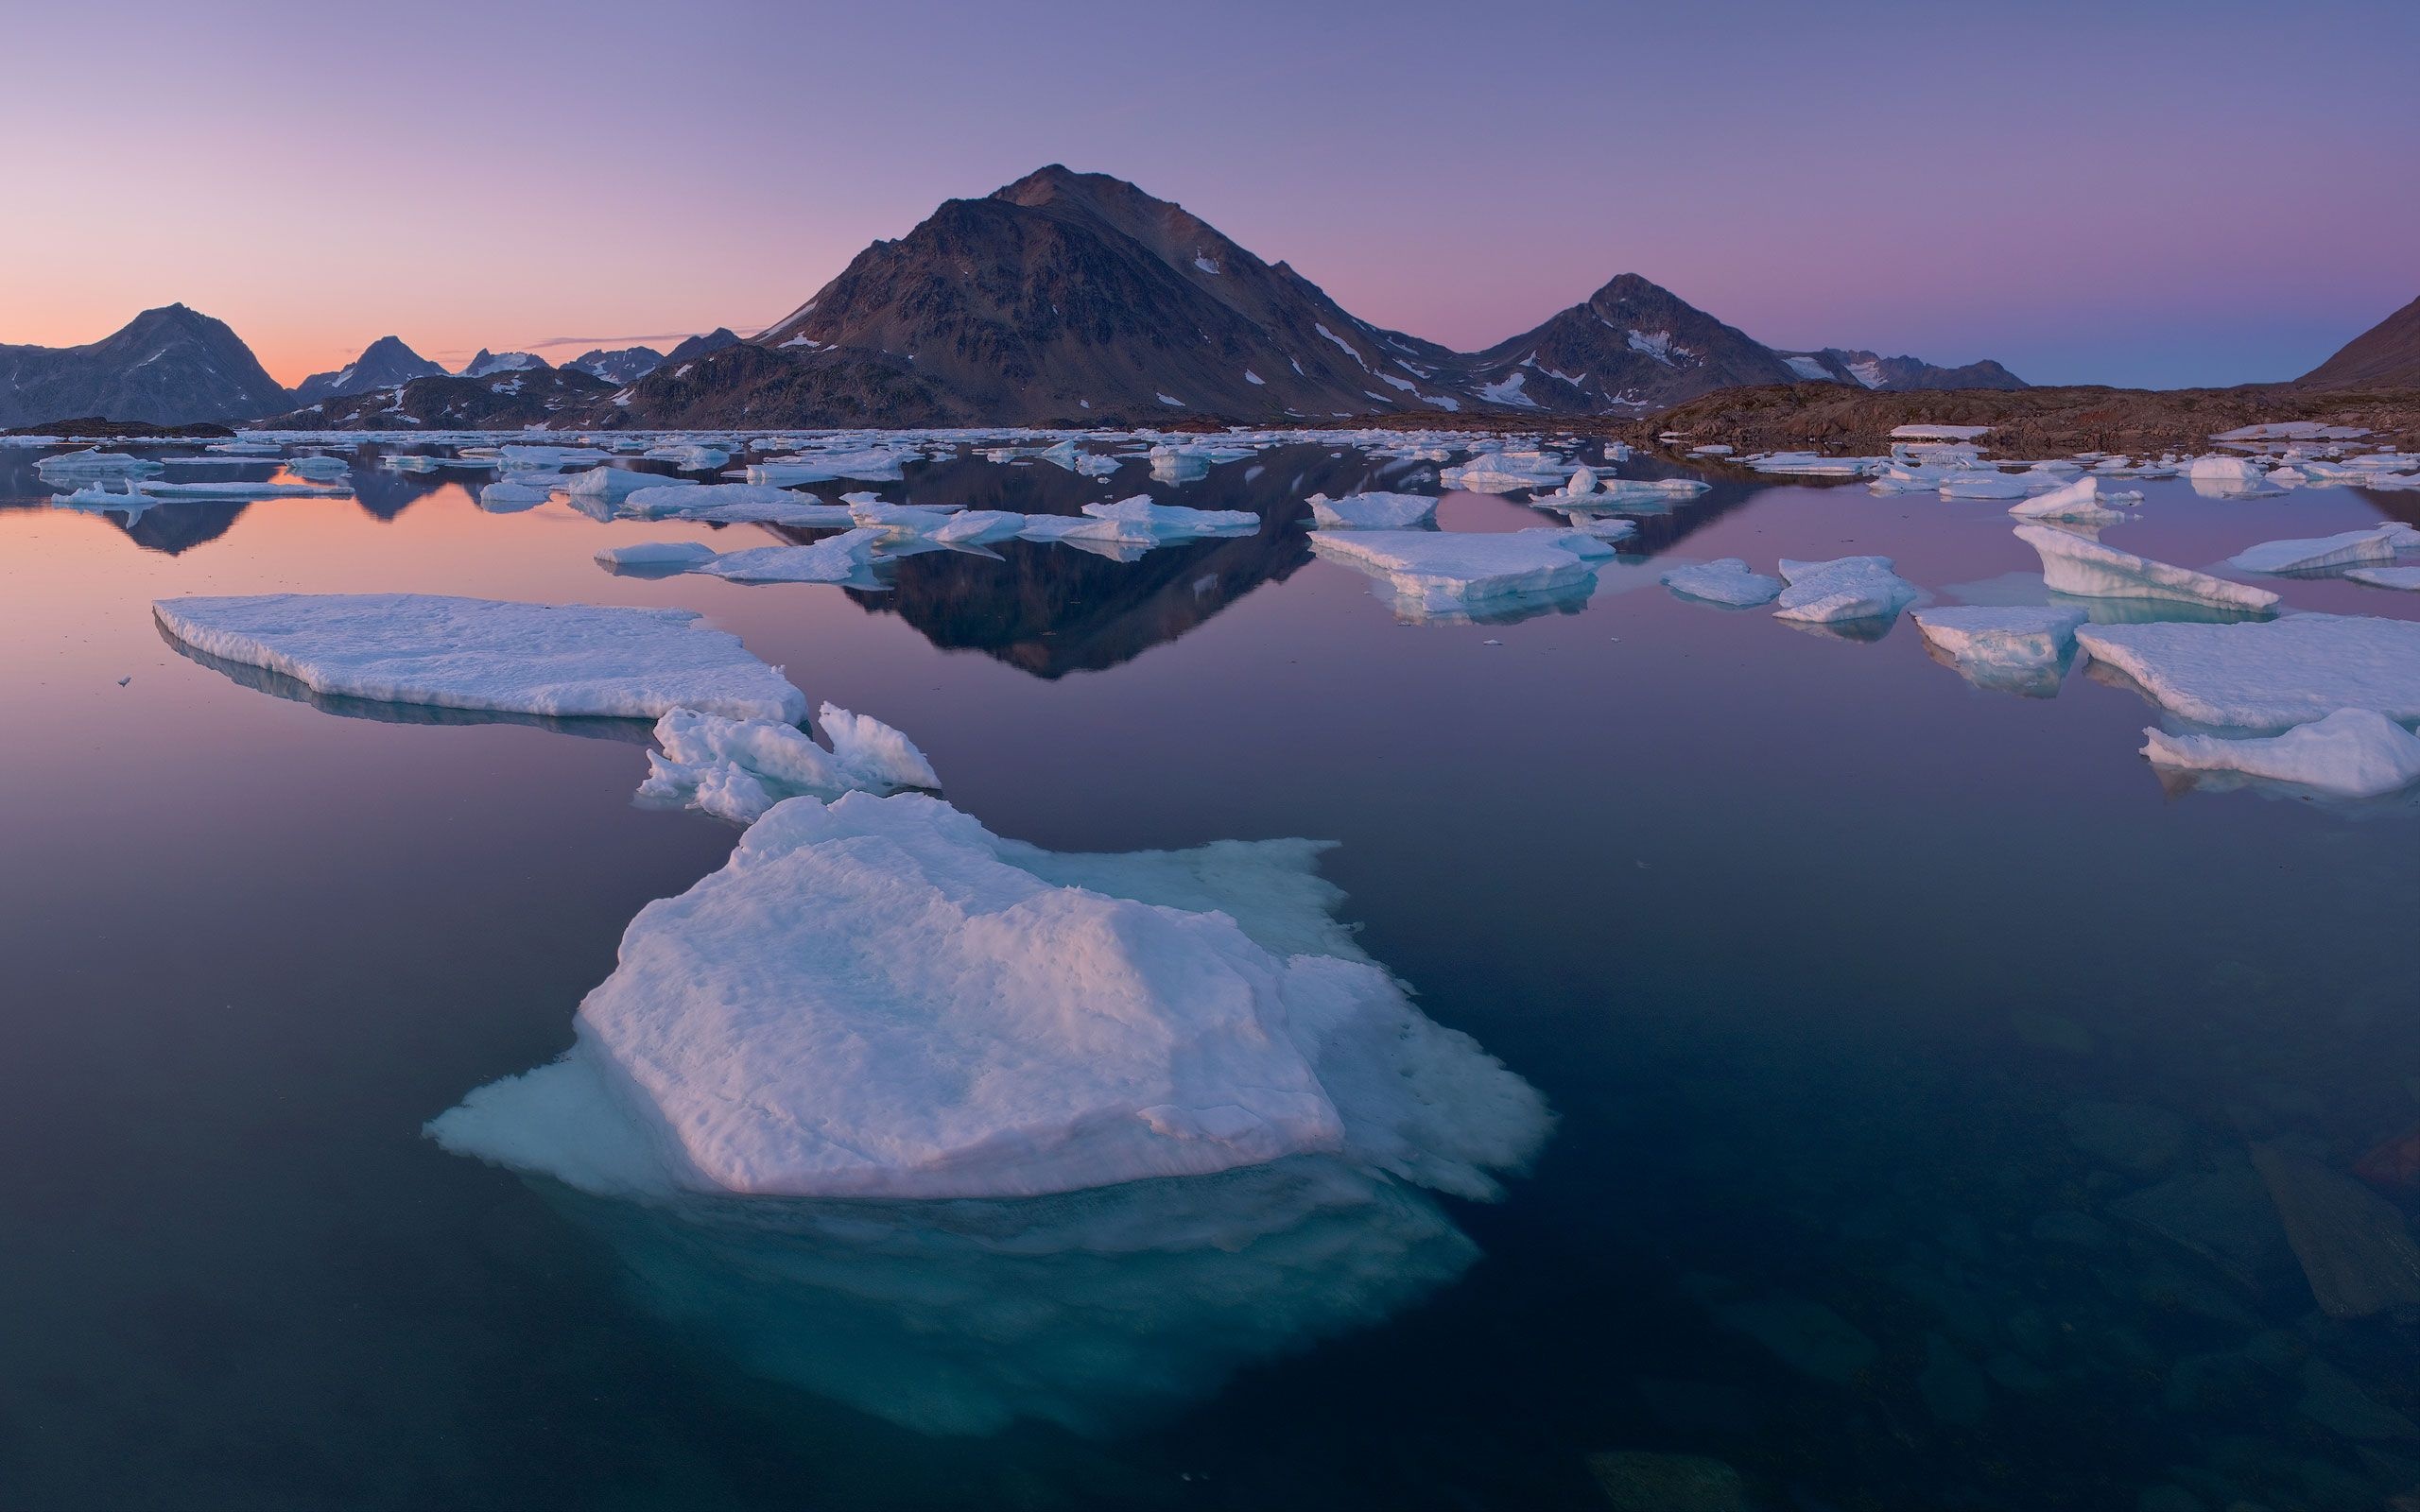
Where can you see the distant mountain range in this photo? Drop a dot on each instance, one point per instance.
(1062, 298)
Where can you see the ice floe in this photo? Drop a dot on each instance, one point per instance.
(2267, 675)
(877, 998)
(839, 558)
(2348, 548)
(1724, 580)
(1373, 512)
(557, 659)
(679, 555)
(2406, 579)
(2016, 650)
(737, 769)
(2230, 477)
(1430, 572)
(2350, 753)
(2087, 569)
(2078, 501)
(1845, 589)
(614, 484)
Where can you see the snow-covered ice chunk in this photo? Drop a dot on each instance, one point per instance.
(92, 462)
(834, 559)
(2019, 650)
(2087, 569)
(1431, 570)
(2350, 753)
(1984, 483)
(2268, 674)
(2229, 477)
(737, 769)
(1724, 580)
(879, 999)
(1842, 590)
(2406, 578)
(510, 497)
(680, 553)
(976, 528)
(2078, 501)
(611, 485)
(730, 503)
(1139, 518)
(566, 661)
(2343, 549)
(1373, 512)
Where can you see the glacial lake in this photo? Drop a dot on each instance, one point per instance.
(1907, 1038)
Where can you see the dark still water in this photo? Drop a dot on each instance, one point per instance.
(1909, 1044)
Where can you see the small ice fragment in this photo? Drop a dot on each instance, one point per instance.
(681, 554)
(1724, 580)
(1844, 590)
(2406, 578)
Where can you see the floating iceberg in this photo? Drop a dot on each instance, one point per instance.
(93, 462)
(976, 528)
(2344, 549)
(737, 769)
(250, 492)
(2087, 569)
(1724, 580)
(2350, 753)
(2406, 578)
(558, 659)
(682, 554)
(1139, 519)
(1845, 589)
(510, 498)
(317, 467)
(1373, 512)
(2077, 502)
(873, 464)
(879, 999)
(834, 559)
(2019, 650)
(729, 503)
(2267, 675)
(1433, 571)
(2229, 477)
(1988, 483)
(611, 485)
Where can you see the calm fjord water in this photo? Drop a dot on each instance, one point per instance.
(1872, 1005)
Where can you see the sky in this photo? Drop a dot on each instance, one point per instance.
(2155, 195)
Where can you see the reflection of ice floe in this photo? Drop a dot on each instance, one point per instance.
(957, 1129)
(2267, 675)
(558, 659)
(1846, 589)
(737, 769)
(2021, 650)
(2349, 548)
(2350, 753)
(1373, 512)
(1434, 573)
(2087, 569)
(1725, 580)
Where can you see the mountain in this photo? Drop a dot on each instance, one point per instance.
(386, 363)
(704, 346)
(1634, 346)
(503, 399)
(1866, 369)
(2387, 355)
(1077, 298)
(623, 364)
(166, 366)
(488, 362)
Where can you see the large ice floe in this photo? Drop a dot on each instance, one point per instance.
(737, 769)
(2075, 564)
(958, 1130)
(1724, 580)
(2350, 753)
(1844, 590)
(841, 559)
(1441, 573)
(1373, 512)
(2267, 675)
(2018, 650)
(2349, 548)
(563, 661)
(729, 503)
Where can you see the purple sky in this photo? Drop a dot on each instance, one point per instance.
(2142, 193)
